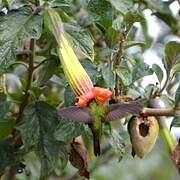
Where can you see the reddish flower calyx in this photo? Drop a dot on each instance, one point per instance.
(101, 95)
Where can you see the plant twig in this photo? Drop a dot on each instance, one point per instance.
(117, 62)
(160, 112)
(10, 172)
(29, 81)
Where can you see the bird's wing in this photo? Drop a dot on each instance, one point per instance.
(75, 114)
(118, 111)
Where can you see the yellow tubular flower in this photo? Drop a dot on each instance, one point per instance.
(75, 73)
(78, 78)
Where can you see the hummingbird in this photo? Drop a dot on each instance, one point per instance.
(94, 115)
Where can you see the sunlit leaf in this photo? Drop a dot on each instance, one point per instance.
(140, 71)
(109, 77)
(172, 54)
(123, 5)
(159, 73)
(177, 96)
(175, 122)
(125, 75)
(79, 38)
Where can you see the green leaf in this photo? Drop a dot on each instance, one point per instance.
(47, 70)
(177, 96)
(109, 77)
(159, 73)
(69, 97)
(14, 28)
(39, 123)
(79, 38)
(172, 54)
(101, 12)
(125, 75)
(15, 4)
(117, 23)
(6, 127)
(131, 17)
(175, 69)
(167, 101)
(122, 5)
(67, 130)
(150, 89)
(175, 122)
(59, 3)
(129, 44)
(140, 71)
(117, 141)
(4, 105)
(91, 70)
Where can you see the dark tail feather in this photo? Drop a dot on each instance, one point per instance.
(96, 143)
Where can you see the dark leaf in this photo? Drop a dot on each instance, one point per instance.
(14, 28)
(67, 130)
(47, 70)
(159, 73)
(101, 12)
(6, 127)
(7, 154)
(39, 123)
(4, 105)
(78, 158)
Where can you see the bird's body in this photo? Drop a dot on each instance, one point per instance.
(97, 113)
(94, 115)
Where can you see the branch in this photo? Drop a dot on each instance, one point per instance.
(160, 112)
(29, 81)
(117, 60)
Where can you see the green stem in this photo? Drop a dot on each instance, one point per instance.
(166, 135)
(168, 138)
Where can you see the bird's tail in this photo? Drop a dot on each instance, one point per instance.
(96, 143)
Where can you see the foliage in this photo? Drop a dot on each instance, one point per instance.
(105, 37)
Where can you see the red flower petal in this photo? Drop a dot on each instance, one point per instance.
(100, 94)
